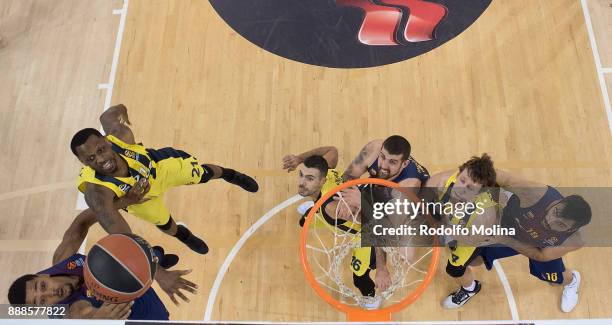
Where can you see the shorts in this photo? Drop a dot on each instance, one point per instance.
(361, 256)
(551, 271)
(174, 168)
(460, 257)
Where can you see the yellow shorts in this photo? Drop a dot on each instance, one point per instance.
(362, 260)
(170, 172)
(461, 255)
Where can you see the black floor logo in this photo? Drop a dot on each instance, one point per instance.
(349, 33)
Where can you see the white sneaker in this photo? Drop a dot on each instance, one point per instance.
(460, 297)
(304, 207)
(372, 303)
(569, 299)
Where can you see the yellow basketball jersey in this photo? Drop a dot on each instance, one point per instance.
(140, 165)
(333, 179)
(485, 199)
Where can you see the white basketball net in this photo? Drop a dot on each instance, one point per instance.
(329, 252)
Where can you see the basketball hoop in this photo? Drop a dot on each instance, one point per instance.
(340, 248)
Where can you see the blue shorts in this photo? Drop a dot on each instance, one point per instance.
(551, 271)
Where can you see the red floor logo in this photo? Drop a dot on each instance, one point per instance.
(349, 33)
(382, 21)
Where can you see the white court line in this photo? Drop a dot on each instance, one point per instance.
(232, 254)
(80, 203)
(606, 70)
(117, 51)
(507, 289)
(600, 72)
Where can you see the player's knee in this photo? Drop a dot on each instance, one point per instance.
(165, 227)
(208, 174)
(455, 271)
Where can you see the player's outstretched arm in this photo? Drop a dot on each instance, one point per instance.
(383, 277)
(329, 153)
(74, 235)
(115, 121)
(529, 192)
(100, 200)
(366, 156)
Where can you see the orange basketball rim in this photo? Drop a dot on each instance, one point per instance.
(358, 314)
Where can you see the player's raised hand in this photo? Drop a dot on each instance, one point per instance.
(290, 162)
(123, 116)
(349, 203)
(382, 279)
(114, 311)
(137, 192)
(172, 282)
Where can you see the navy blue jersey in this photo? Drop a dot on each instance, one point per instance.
(529, 222)
(146, 307)
(412, 170)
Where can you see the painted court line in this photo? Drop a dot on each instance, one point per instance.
(232, 254)
(600, 71)
(607, 70)
(507, 289)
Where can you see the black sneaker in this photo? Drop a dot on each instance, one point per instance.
(460, 297)
(169, 261)
(196, 244)
(166, 261)
(246, 182)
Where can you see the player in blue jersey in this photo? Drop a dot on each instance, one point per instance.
(63, 283)
(388, 159)
(391, 160)
(547, 227)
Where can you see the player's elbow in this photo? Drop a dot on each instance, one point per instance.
(333, 157)
(109, 117)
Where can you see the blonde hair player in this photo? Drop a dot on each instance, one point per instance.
(470, 182)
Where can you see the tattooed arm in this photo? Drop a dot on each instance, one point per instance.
(100, 200)
(360, 164)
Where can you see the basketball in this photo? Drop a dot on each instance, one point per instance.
(119, 268)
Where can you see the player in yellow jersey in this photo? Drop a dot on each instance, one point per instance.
(317, 176)
(120, 173)
(471, 182)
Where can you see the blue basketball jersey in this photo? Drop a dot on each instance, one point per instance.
(146, 307)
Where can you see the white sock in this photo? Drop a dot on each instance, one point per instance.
(471, 287)
(573, 283)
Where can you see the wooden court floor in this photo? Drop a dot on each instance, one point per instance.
(520, 84)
